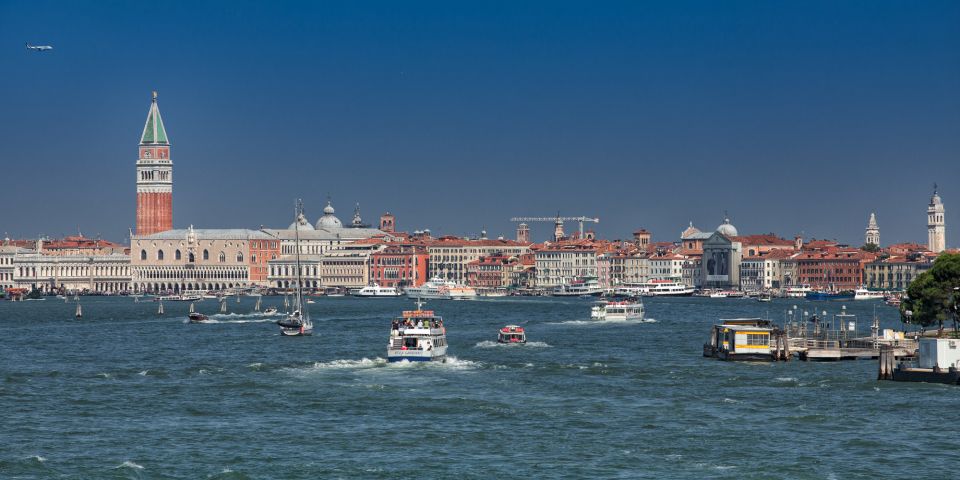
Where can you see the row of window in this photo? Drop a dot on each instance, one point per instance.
(190, 257)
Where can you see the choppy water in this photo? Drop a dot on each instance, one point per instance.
(123, 393)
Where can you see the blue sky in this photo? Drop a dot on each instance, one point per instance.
(455, 116)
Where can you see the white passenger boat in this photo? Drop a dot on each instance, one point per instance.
(864, 294)
(618, 311)
(798, 291)
(438, 288)
(183, 297)
(663, 288)
(417, 336)
(578, 288)
(376, 290)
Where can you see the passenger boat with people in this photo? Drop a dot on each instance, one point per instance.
(439, 289)
(376, 290)
(631, 310)
(512, 334)
(417, 336)
(797, 291)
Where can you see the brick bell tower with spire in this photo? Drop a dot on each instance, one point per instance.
(154, 176)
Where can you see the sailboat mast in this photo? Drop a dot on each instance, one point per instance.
(296, 230)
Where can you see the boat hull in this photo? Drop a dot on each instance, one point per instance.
(829, 296)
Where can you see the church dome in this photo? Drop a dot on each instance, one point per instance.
(329, 220)
(302, 222)
(727, 229)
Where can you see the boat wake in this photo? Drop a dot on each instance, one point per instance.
(492, 344)
(129, 464)
(451, 363)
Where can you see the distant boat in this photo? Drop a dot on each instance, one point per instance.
(512, 334)
(196, 317)
(376, 290)
(845, 295)
(864, 294)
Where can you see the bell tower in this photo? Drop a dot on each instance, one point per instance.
(154, 176)
(936, 226)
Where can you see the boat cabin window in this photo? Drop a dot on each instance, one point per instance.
(410, 342)
(757, 339)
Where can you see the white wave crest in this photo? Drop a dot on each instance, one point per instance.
(340, 364)
(129, 464)
(143, 373)
(786, 379)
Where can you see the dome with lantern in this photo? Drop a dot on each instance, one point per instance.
(726, 228)
(329, 220)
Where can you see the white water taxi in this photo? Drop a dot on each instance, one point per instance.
(618, 311)
(512, 334)
(417, 336)
(864, 294)
(376, 290)
(438, 288)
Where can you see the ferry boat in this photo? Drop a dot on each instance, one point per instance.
(864, 294)
(512, 334)
(618, 311)
(438, 288)
(798, 291)
(822, 295)
(183, 297)
(578, 288)
(662, 288)
(417, 336)
(376, 290)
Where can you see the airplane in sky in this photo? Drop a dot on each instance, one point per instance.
(38, 48)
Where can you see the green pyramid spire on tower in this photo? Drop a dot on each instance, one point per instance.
(153, 131)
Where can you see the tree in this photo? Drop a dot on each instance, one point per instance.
(870, 247)
(933, 296)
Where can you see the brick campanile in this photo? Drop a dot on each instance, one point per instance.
(154, 176)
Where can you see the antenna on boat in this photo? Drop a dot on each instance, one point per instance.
(420, 303)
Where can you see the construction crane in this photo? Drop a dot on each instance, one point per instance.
(558, 220)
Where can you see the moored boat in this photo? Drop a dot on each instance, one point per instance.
(440, 289)
(823, 295)
(417, 336)
(586, 287)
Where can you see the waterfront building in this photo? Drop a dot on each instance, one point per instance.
(758, 245)
(636, 268)
(8, 256)
(895, 273)
(936, 225)
(449, 256)
(691, 272)
(201, 259)
(721, 258)
(491, 272)
(667, 266)
(836, 269)
(328, 233)
(563, 262)
(763, 272)
(344, 265)
(400, 265)
(154, 176)
(872, 235)
(71, 273)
